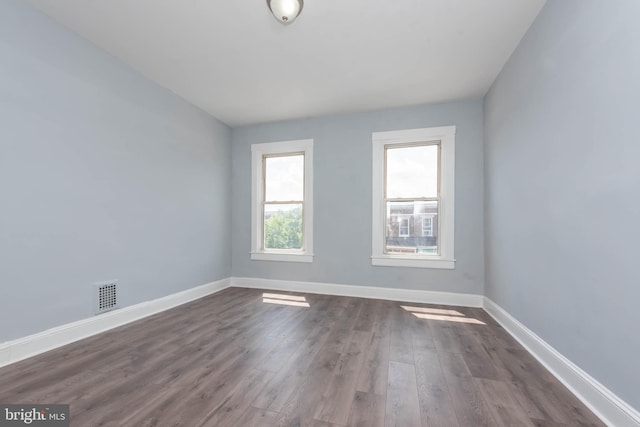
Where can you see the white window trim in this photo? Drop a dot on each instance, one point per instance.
(257, 250)
(446, 136)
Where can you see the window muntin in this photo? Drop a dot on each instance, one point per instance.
(282, 206)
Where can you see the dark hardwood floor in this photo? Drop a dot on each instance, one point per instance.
(239, 358)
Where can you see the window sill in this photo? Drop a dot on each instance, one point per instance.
(395, 261)
(282, 257)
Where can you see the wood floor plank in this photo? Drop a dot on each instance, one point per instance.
(368, 315)
(285, 382)
(445, 338)
(402, 408)
(476, 357)
(401, 346)
(114, 408)
(340, 334)
(374, 373)
(502, 404)
(160, 410)
(276, 394)
(437, 408)
(338, 397)
(307, 397)
(367, 410)
(453, 365)
(229, 410)
(545, 404)
(302, 404)
(519, 365)
(421, 335)
(257, 417)
(231, 359)
(279, 357)
(576, 411)
(66, 365)
(474, 412)
(545, 423)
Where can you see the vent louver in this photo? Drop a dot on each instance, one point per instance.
(106, 296)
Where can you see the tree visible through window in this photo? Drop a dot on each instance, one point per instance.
(283, 200)
(283, 229)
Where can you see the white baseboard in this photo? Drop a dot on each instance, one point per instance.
(392, 294)
(604, 403)
(22, 348)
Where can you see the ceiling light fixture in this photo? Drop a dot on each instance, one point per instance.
(285, 11)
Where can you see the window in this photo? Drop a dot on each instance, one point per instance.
(427, 226)
(403, 225)
(413, 198)
(282, 201)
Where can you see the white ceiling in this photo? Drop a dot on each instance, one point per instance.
(235, 61)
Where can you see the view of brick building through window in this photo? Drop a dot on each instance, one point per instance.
(412, 227)
(412, 197)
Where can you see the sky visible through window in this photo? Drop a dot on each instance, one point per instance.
(412, 172)
(284, 178)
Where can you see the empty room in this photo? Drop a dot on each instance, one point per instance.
(319, 213)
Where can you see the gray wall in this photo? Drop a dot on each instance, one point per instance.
(103, 175)
(562, 185)
(342, 199)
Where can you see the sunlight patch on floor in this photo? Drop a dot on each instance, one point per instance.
(441, 314)
(431, 310)
(285, 297)
(282, 299)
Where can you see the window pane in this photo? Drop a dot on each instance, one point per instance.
(412, 172)
(412, 228)
(283, 226)
(284, 178)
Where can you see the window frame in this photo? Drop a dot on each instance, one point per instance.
(277, 149)
(446, 226)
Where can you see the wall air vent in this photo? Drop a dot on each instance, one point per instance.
(106, 296)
